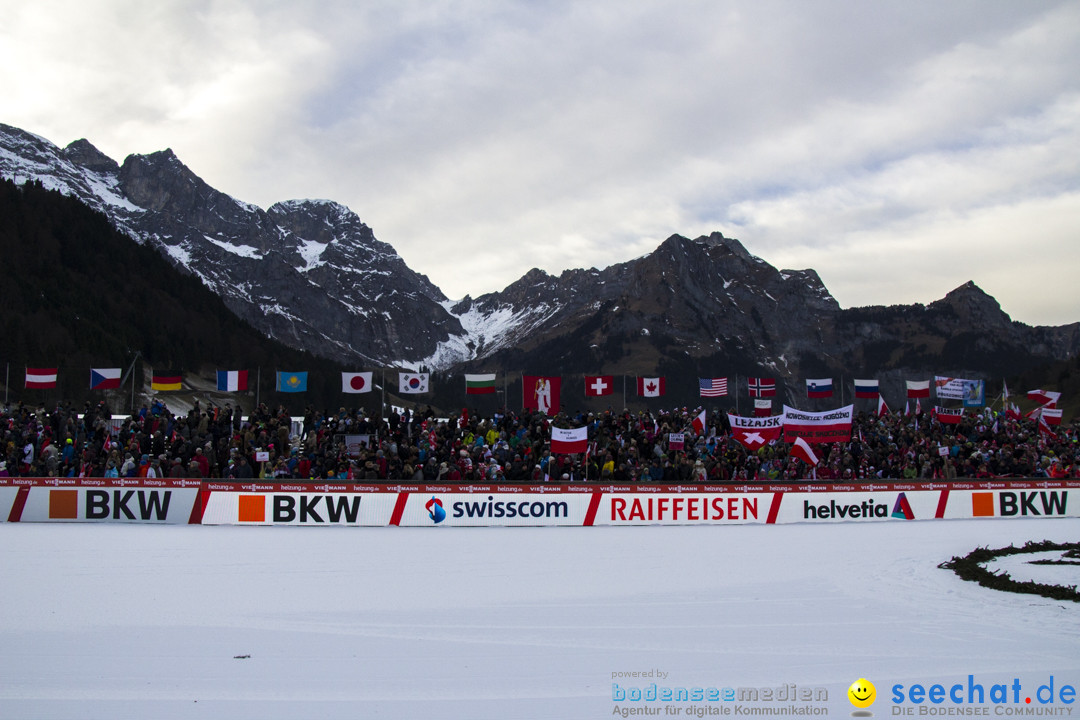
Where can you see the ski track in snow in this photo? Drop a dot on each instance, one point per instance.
(124, 621)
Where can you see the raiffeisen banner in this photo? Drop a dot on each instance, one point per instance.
(262, 503)
(691, 508)
(133, 500)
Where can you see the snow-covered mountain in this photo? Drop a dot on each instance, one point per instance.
(311, 274)
(306, 272)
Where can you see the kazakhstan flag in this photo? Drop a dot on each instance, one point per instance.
(292, 381)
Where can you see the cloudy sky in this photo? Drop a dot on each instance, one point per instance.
(898, 148)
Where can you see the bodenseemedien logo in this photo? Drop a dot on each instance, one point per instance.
(862, 695)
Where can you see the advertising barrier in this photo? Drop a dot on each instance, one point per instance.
(574, 504)
(133, 500)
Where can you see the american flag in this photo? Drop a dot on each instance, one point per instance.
(712, 387)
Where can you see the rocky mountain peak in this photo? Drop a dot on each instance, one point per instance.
(973, 305)
(81, 152)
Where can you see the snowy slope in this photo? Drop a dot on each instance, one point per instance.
(137, 622)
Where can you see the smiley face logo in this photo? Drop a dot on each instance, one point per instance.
(862, 693)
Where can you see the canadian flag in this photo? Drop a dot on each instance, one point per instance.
(650, 387)
(802, 450)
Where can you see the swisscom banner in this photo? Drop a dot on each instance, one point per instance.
(449, 509)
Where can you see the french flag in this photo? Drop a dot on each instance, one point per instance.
(232, 380)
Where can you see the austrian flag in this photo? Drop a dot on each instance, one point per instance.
(569, 440)
(40, 377)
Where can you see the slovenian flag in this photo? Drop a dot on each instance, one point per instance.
(819, 388)
(104, 378)
(867, 389)
(232, 380)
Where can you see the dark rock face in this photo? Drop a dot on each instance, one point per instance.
(311, 274)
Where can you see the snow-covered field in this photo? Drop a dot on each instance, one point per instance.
(114, 621)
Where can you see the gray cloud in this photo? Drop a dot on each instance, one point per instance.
(901, 149)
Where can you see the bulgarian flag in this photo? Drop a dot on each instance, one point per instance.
(480, 384)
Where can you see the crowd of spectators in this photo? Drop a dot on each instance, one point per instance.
(417, 446)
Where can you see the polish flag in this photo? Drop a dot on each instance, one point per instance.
(802, 450)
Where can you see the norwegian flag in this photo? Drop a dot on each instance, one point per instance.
(761, 387)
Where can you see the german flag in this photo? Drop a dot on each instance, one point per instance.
(166, 383)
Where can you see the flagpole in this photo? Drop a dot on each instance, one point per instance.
(258, 384)
(382, 405)
(737, 411)
(7, 382)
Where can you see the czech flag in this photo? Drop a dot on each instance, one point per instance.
(104, 378)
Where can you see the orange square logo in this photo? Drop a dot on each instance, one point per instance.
(982, 504)
(252, 508)
(63, 504)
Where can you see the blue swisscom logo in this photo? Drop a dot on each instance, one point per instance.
(435, 510)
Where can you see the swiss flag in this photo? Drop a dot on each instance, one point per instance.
(598, 385)
(650, 387)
